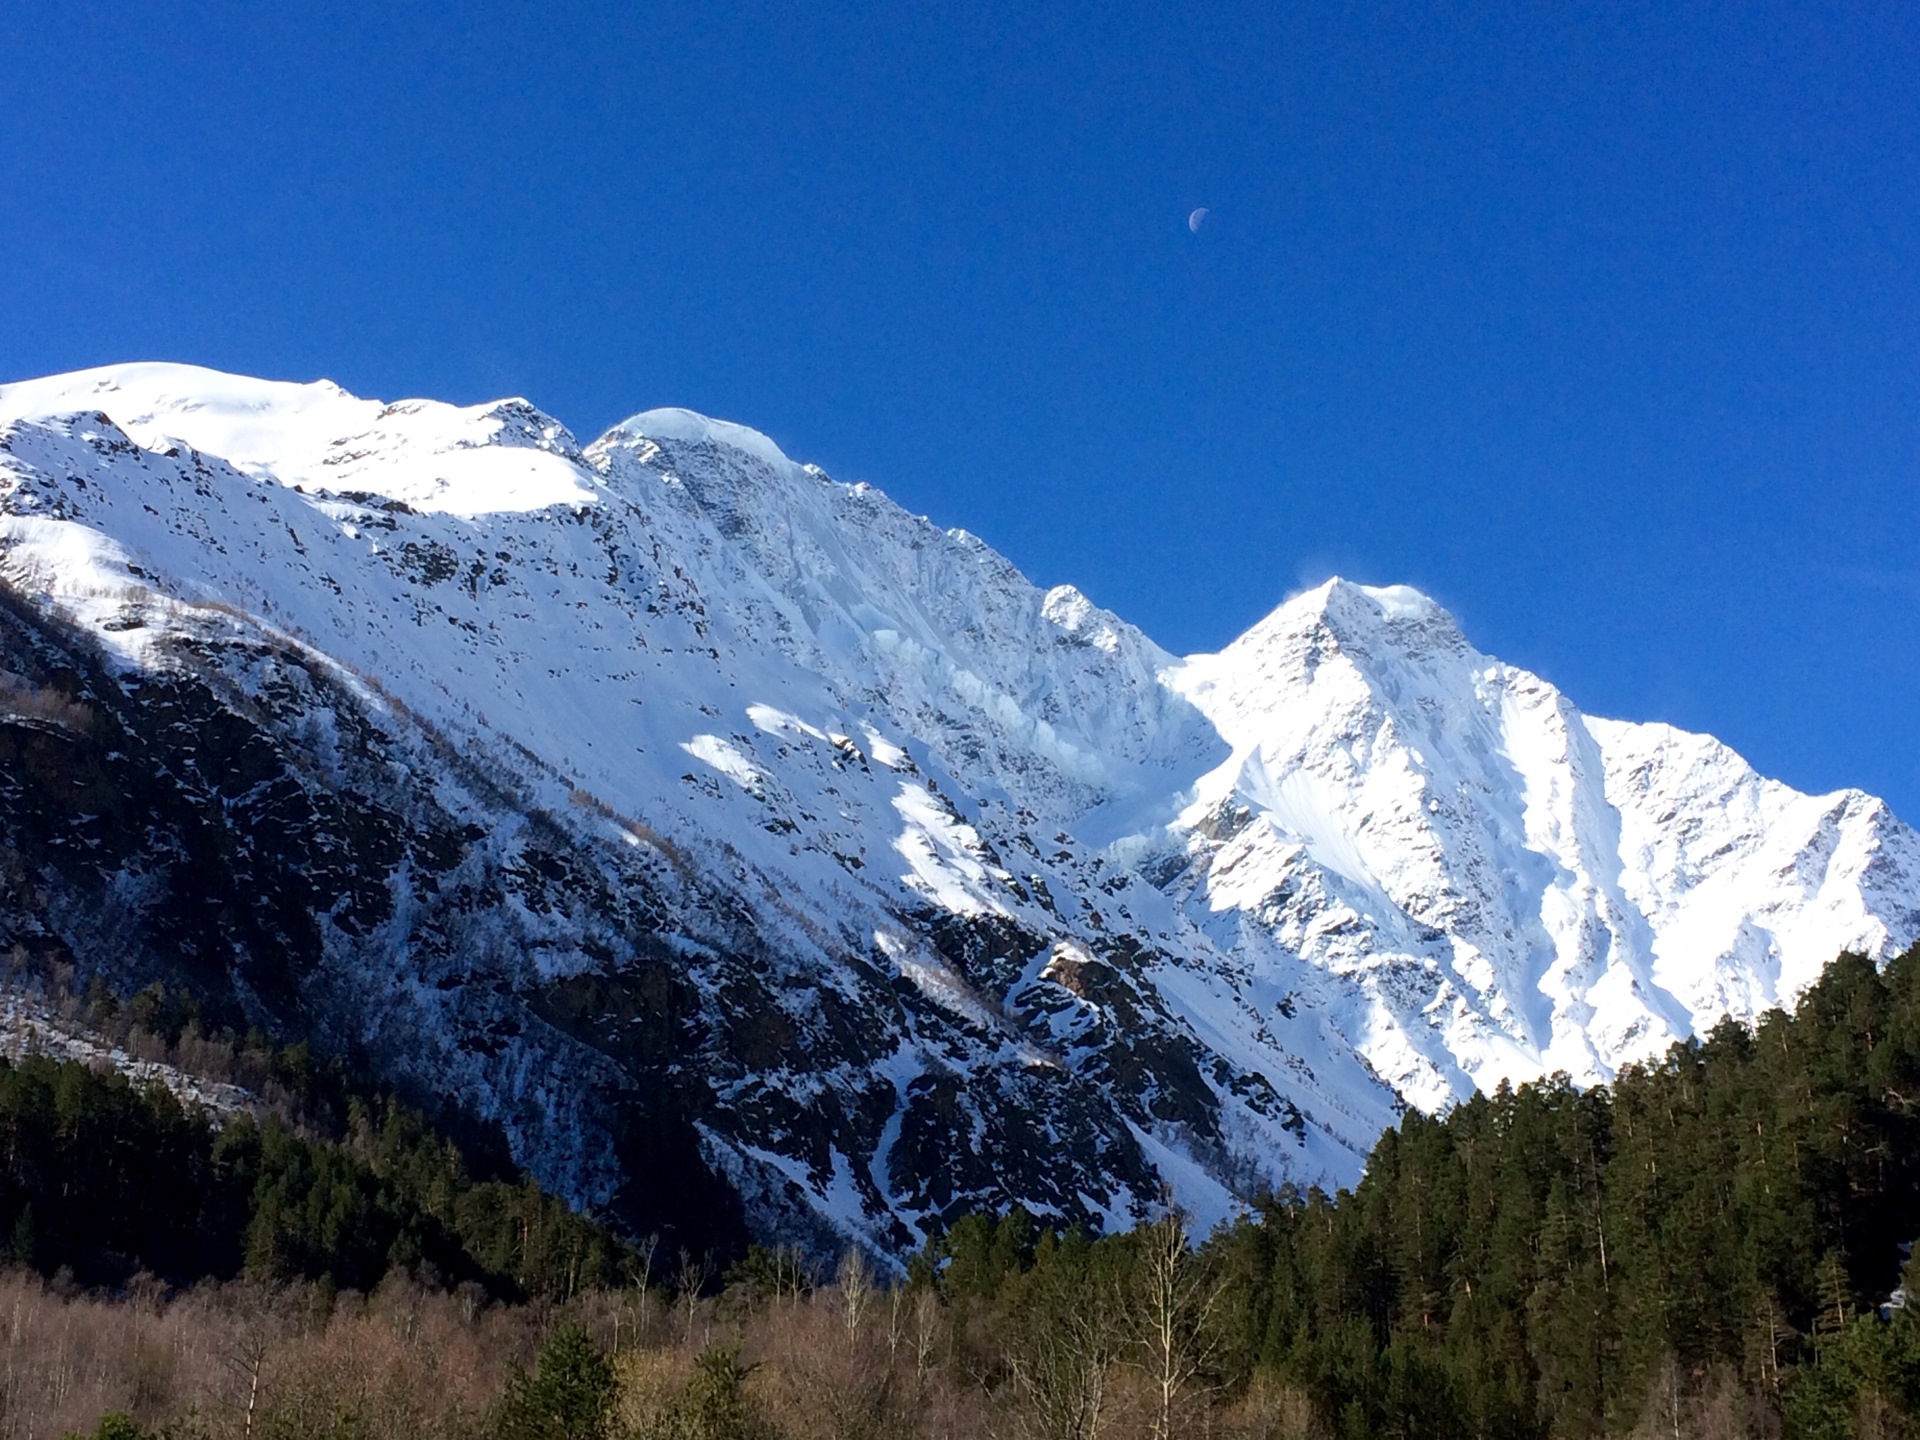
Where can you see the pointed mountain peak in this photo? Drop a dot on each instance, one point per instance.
(1360, 617)
(1347, 600)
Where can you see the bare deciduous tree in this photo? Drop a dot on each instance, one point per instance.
(926, 1332)
(689, 1279)
(1173, 1308)
(260, 1312)
(1062, 1370)
(856, 1291)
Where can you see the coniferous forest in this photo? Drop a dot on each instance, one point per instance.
(1713, 1245)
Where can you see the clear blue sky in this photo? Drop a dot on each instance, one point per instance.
(1600, 322)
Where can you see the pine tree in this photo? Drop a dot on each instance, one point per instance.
(569, 1395)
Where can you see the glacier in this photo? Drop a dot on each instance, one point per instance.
(661, 798)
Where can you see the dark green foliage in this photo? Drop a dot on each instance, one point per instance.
(1706, 1246)
(1535, 1262)
(105, 1178)
(715, 1405)
(982, 1254)
(117, 1425)
(764, 1274)
(1718, 1227)
(569, 1395)
(1864, 1380)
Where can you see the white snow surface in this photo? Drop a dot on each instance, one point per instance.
(1370, 864)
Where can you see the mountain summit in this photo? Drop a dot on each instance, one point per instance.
(765, 859)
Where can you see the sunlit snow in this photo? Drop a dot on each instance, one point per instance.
(1365, 863)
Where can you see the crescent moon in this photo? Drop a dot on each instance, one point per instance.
(1196, 219)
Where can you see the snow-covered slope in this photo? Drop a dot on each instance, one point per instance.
(1515, 887)
(717, 802)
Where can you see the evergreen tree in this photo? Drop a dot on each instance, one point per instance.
(569, 1395)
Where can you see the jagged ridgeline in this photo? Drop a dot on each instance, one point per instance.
(768, 862)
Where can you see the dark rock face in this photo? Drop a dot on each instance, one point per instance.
(276, 852)
(739, 914)
(762, 858)
(240, 823)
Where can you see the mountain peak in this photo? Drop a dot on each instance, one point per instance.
(932, 861)
(489, 458)
(689, 427)
(1364, 619)
(1338, 599)
(237, 417)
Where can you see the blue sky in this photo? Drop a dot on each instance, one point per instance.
(1599, 322)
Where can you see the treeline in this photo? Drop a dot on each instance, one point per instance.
(1723, 1225)
(105, 1179)
(1709, 1247)
(1712, 1245)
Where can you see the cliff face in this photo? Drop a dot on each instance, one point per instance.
(763, 857)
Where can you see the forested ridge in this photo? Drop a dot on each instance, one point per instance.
(103, 1179)
(1553, 1261)
(1712, 1245)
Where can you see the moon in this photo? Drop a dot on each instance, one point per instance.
(1197, 219)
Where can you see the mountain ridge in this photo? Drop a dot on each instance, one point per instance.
(927, 887)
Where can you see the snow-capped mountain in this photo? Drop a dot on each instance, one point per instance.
(755, 852)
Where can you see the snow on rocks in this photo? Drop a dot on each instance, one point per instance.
(1258, 899)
